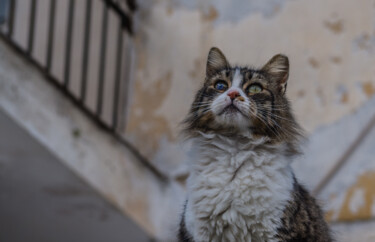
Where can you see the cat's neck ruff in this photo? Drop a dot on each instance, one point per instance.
(237, 183)
(214, 146)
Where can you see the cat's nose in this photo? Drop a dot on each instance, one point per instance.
(233, 94)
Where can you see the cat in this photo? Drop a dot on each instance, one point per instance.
(244, 136)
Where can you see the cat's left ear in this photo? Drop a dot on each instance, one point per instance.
(216, 61)
(278, 69)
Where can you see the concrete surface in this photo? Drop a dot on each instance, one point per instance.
(41, 200)
(94, 155)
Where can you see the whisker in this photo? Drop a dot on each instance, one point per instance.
(262, 119)
(278, 117)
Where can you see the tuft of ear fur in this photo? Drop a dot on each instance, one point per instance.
(278, 69)
(216, 61)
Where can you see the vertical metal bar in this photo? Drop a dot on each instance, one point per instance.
(102, 61)
(117, 78)
(31, 27)
(68, 47)
(86, 50)
(126, 20)
(51, 28)
(12, 7)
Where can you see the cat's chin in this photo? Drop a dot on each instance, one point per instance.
(233, 119)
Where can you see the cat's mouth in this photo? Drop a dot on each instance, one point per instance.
(230, 109)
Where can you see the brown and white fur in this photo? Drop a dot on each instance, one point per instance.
(241, 186)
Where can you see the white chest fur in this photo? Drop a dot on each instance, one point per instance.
(236, 190)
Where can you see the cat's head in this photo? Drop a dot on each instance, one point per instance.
(235, 100)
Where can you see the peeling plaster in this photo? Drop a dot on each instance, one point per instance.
(368, 89)
(335, 26)
(329, 49)
(144, 119)
(358, 201)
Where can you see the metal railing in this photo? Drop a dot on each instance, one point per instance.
(94, 35)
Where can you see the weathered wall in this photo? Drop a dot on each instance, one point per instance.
(331, 46)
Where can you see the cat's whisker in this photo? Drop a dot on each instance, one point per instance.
(279, 117)
(276, 132)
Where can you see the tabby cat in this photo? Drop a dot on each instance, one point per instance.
(241, 186)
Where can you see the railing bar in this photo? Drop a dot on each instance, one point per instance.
(32, 27)
(68, 47)
(86, 50)
(12, 8)
(117, 78)
(125, 19)
(51, 28)
(49, 58)
(102, 61)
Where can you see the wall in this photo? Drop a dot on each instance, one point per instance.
(331, 48)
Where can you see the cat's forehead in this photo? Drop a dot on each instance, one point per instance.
(245, 73)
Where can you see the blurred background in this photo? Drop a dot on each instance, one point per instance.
(92, 93)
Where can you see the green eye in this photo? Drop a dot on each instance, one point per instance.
(221, 86)
(255, 88)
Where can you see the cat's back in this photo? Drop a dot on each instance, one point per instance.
(303, 220)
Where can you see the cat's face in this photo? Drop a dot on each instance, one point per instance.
(241, 98)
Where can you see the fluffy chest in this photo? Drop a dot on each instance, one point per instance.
(237, 193)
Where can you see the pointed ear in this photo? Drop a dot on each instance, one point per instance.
(215, 61)
(278, 69)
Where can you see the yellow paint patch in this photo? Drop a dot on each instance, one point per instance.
(211, 15)
(148, 126)
(301, 93)
(366, 183)
(344, 97)
(313, 62)
(336, 59)
(169, 10)
(368, 89)
(335, 26)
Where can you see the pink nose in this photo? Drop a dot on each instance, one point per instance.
(233, 94)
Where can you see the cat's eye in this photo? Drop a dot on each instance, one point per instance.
(255, 88)
(221, 85)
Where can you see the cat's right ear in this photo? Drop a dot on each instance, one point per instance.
(216, 61)
(278, 69)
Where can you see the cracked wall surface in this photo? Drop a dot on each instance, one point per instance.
(330, 44)
(331, 49)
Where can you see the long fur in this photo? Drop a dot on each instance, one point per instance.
(241, 186)
(237, 190)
